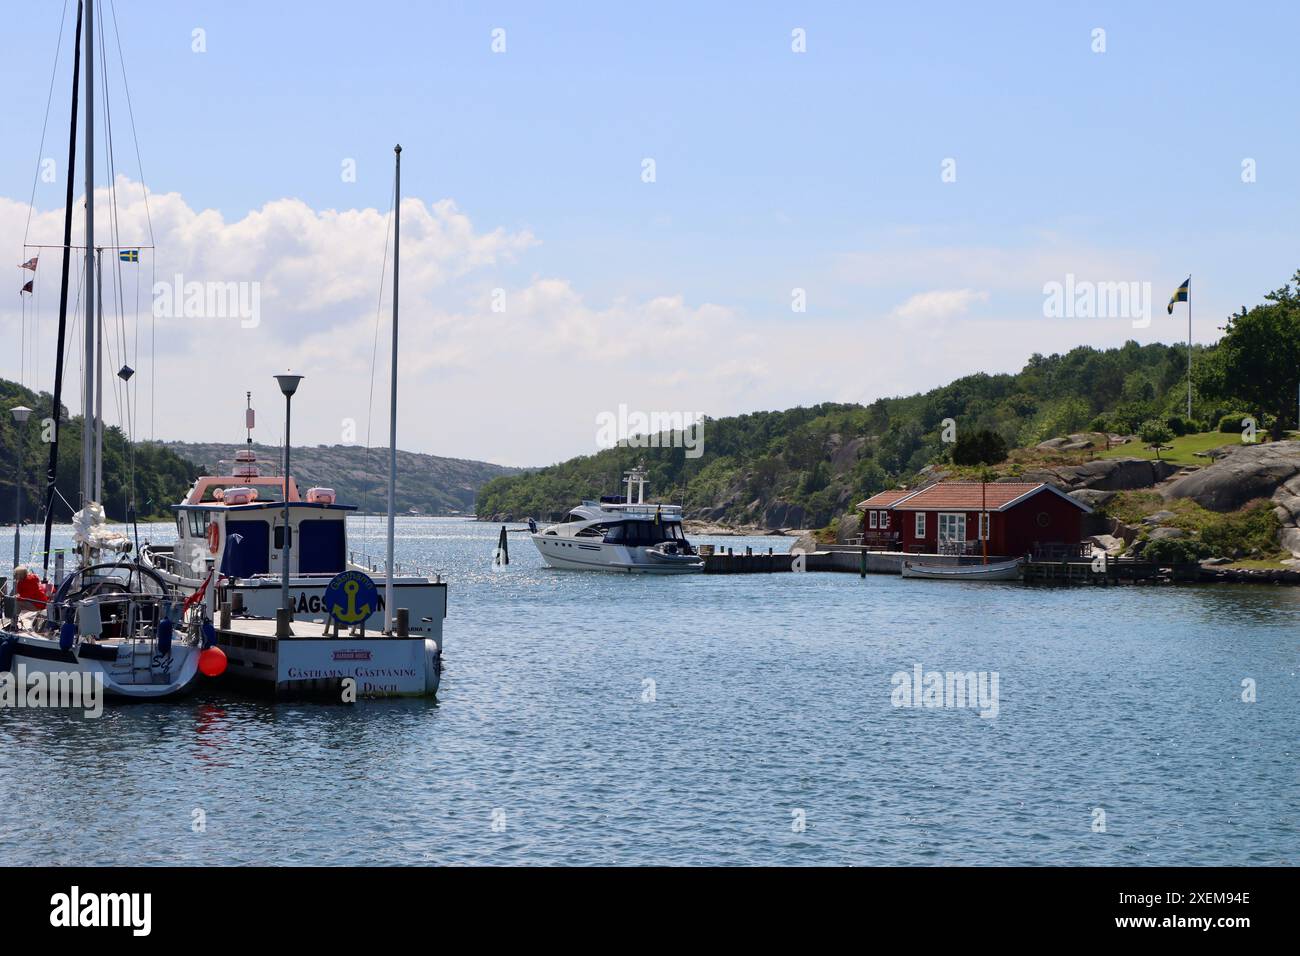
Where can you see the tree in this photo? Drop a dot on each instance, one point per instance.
(1258, 358)
(1156, 435)
(982, 447)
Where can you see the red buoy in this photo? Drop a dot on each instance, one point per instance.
(212, 662)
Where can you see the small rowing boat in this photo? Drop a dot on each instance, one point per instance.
(995, 571)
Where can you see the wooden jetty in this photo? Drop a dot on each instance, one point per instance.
(850, 559)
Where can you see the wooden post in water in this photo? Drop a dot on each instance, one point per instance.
(225, 615)
(503, 547)
(281, 622)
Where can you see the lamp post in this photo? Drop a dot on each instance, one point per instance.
(20, 413)
(288, 385)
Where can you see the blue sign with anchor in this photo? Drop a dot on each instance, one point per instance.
(350, 598)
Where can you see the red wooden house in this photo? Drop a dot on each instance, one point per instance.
(1018, 518)
(878, 527)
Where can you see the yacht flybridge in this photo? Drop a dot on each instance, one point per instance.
(620, 533)
(231, 527)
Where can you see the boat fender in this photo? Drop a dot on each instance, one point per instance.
(214, 537)
(209, 635)
(165, 637)
(7, 647)
(432, 665)
(67, 634)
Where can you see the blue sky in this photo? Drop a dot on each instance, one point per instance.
(774, 171)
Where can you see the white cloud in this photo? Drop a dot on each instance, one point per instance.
(523, 385)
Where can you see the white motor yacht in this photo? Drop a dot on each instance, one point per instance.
(620, 533)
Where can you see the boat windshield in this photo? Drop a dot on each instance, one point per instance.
(642, 533)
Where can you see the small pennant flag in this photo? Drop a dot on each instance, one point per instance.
(129, 255)
(1180, 295)
(27, 287)
(30, 264)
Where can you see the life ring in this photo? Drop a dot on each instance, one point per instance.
(214, 537)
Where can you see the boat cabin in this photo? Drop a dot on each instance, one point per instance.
(237, 522)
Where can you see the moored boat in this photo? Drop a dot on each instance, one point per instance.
(993, 571)
(620, 533)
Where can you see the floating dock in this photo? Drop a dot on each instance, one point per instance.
(304, 658)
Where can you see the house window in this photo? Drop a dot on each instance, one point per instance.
(952, 526)
(874, 518)
(920, 524)
(984, 526)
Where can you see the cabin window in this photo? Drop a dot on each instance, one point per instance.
(952, 526)
(874, 518)
(321, 547)
(198, 524)
(180, 524)
(884, 519)
(920, 524)
(279, 537)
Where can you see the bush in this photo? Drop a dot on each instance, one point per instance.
(1176, 425)
(1155, 434)
(1175, 551)
(1099, 424)
(1230, 424)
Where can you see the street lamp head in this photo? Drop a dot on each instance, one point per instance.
(21, 413)
(288, 383)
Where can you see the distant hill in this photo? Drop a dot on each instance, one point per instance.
(801, 467)
(427, 484)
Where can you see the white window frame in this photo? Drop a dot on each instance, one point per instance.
(884, 519)
(920, 524)
(874, 518)
(947, 520)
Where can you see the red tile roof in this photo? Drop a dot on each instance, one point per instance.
(884, 499)
(972, 496)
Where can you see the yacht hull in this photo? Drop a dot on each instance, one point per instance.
(578, 554)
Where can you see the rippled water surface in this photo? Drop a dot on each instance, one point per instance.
(771, 706)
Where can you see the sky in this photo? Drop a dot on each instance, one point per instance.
(659, 208)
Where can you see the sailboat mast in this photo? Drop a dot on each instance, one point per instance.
(56, 400)
(88, 382)
(99, 379)
(389, 610)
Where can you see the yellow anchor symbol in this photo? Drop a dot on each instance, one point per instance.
(353, 614)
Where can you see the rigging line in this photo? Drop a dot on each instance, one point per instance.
(126, 88)
(374, 352)
(113, 213)
(49, 99)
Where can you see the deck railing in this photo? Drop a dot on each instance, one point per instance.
(376, 565)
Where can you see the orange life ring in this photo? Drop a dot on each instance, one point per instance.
(214, 537)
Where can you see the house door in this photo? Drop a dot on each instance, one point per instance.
(952, 527)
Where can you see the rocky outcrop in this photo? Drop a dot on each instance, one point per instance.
(1104, 474)
(806, 544)
(1241, 473)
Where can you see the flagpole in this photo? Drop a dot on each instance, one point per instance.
(1189, 348)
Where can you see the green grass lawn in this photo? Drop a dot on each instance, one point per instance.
(1183, 451)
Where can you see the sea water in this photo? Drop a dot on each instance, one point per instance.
(604, 718)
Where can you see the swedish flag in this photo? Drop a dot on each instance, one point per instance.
(129, 255)
(1180, 295)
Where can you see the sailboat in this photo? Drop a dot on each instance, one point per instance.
(111, 620)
